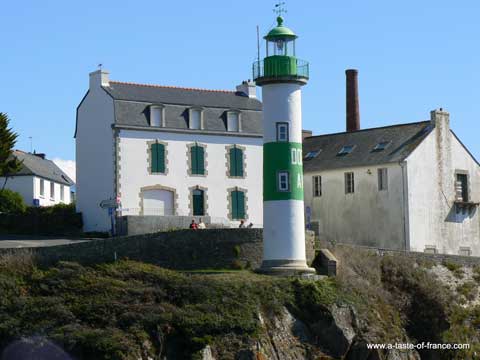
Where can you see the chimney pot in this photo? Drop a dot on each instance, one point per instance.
(99, 78)
(247, 88)
(352, 101)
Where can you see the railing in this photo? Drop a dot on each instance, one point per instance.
(280, 66)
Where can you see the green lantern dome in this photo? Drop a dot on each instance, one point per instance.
(280, 31)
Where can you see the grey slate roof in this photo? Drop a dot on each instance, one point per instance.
(403, 140)
(132, 103)
(44, 168)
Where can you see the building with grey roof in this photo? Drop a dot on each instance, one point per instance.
(168, 151)
(406, 187)
(40, 181)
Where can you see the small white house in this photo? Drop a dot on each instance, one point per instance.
(168, 151)
(406, 187)
(40, 181)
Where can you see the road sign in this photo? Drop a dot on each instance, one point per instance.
(110, 203)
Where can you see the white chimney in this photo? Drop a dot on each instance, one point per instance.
(247, 88)
(99, 78)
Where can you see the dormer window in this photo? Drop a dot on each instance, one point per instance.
(233, 121)
(311, 155)
(195, 119)
(157, 115)
(381, 146)
(347, 149)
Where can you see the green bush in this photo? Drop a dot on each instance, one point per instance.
(11, 202)
(60, 219)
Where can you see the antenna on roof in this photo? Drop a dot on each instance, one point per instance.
(100, 66)
(31, 144)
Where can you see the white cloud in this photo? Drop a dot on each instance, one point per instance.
(67, 166)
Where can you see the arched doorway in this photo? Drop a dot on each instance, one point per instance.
(158, 202)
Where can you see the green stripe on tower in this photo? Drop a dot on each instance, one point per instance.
(279, 157)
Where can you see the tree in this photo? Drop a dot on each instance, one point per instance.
(9, 165)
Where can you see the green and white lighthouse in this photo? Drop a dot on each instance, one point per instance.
(281, 76)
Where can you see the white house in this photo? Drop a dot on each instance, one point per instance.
(39, 181)
(163, 150)
(407, 187)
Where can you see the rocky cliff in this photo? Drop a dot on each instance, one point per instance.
(132, 310)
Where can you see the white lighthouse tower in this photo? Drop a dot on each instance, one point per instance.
(281, 76)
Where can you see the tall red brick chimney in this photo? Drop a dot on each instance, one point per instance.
(353, 107)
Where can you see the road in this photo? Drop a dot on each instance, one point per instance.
(15, 241)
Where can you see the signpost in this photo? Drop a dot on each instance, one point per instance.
(111, 205)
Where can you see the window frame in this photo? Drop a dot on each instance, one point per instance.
(161, 109)
(42, 188)
(62, 192)
(52, 190)
(234, 161)
(232, 203)
(190, 118)
(382, 145)
(349, 183)
(382, 179)
(343, 151)
(154, 170)
(311, 155)
(466, 190)
(238, 114)
(317, 185)
(279, 181)
(280, 125)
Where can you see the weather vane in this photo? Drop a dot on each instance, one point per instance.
(100, 66)
(280, 8)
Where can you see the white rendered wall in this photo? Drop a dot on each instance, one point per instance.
(47, 199)
(367, 217)
(431, 183)
(21, 184)
(134, 175)
(282, 103)
(287, 223)
(95, 158)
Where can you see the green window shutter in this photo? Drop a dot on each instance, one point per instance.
(236, 162)
(198, 160)
(193, 155)
(158, 158)
(238, 205)
(239, 162)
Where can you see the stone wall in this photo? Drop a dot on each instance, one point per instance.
(182, 250)
(436, 258)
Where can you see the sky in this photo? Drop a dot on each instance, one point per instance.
(412, 57)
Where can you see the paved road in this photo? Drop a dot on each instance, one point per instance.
(14, 241)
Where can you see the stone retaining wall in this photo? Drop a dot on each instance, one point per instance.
(183, 249)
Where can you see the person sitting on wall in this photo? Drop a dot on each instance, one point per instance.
(201, 224)
(250, 225)
(193, 225)
(242, 224)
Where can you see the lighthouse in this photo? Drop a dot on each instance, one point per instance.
(281, 76)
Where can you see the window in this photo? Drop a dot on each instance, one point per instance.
(381, 145)
(465, 251)
(282, 131)
(233, 121)
(156, 115)
(283, 181)
(462, 188)
(62, 192)
(312, 154)
(238, 205)
(195, 119)
(382, 179)
(42, 187)
(198, 202)
(349, 183)
(52, 190)
(236, 162)
(317, 186)
(197, 158)
(157, 156)
(347, 149)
